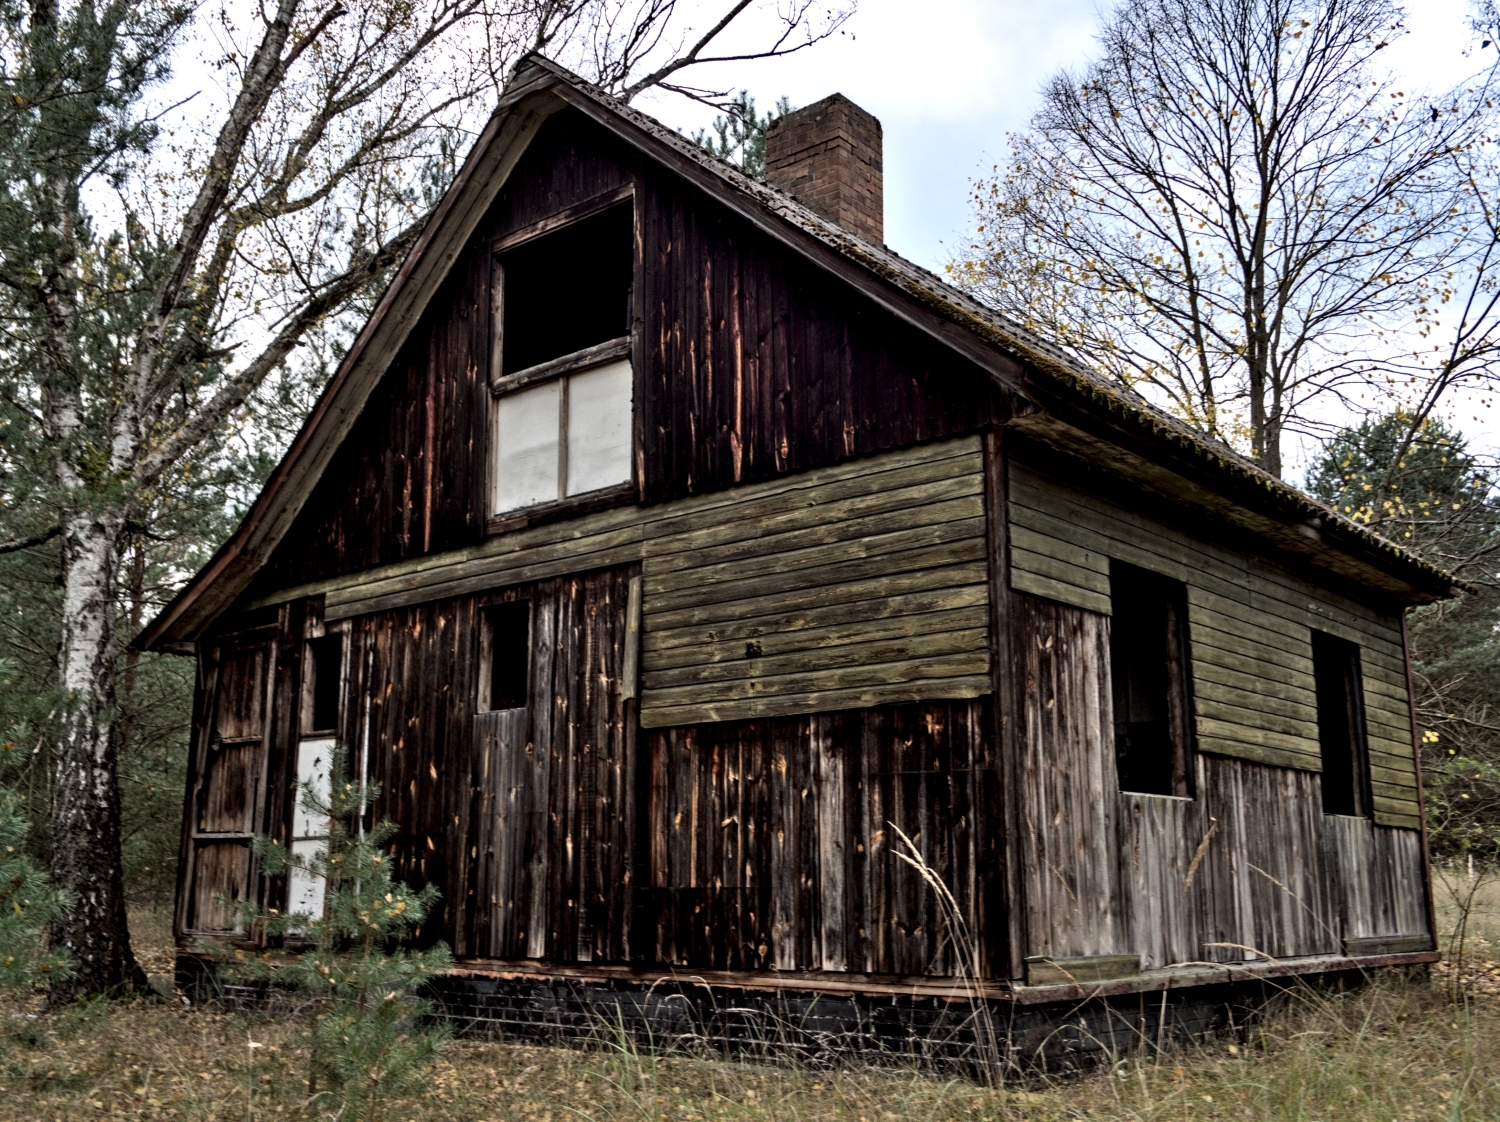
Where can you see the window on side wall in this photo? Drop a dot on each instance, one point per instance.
(1341, 725)
(1148, 651)
(561, 371)
(505, 656)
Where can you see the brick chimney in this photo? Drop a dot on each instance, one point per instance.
(828, 157)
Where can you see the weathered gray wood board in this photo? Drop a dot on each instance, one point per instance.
(853, 585)
(1249, 867)
(1068, 793)
(1250, 625)
(1380, 878)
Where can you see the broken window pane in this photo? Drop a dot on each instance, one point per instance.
(1148, 670)
(1338, 679)
(567, 290)
(508, 654)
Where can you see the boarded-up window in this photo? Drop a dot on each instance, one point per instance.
(1341, 725)
(563, 438)
(1148, 663)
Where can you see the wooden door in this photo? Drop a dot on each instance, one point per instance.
(228, 790)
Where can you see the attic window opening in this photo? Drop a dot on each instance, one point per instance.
(1339, 682)
(565, 292)
(1148, 653)
(564, 384)
(506, 658)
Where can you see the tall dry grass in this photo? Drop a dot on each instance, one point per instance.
(1395, 1051)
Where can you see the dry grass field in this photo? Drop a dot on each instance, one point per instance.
(1398, 1050)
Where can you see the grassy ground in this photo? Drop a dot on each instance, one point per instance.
(1398, 1050)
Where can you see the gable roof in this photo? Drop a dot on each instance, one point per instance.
(1070, 405)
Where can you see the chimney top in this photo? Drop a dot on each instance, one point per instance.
(828, 157)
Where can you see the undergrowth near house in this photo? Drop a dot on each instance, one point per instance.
(1394, 1051)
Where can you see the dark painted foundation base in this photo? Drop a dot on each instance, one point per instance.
(820, 1029)
(832, 1028)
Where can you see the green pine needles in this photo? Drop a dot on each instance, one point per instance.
(28, 905)
(369, 1039)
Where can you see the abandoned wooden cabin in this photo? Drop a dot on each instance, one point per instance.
(666, 548)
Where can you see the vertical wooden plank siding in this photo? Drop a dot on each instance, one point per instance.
(1250, 623)
(760, 365)
(543, 827)
(1251, 842)
(751, 366)
(1379, 878)
(1069, 797)
(774, 841)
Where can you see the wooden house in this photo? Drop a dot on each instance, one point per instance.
(667, 548)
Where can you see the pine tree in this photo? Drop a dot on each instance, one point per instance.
(1438, 499)
(369, 1039)
(738, 135)
(28, 905)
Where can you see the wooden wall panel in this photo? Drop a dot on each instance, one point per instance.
(1069, 797)
(773, 842)
(1234, 874)
(750, 365)
(542, 851)
(757, 364)
(1379, 877)
(1250, 624)
(860, 585)
(1264, 875)
(857, 584)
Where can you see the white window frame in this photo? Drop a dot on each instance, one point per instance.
(561, 372)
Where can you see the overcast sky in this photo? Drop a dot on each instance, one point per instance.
(950, 78)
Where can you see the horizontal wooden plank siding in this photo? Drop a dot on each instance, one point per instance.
(864, 585)
(858, 584)
(1250, 625)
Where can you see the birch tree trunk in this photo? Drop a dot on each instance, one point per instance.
(85, 793)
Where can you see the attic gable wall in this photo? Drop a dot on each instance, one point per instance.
(411, 477)
(750, 364)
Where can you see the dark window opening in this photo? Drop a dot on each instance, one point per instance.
(1341, 725)
(1149, 676)
(325, 659)
(567, 290)
(508, 654)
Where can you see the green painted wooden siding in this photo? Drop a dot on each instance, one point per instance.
(1250, 625)
(840, 588)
